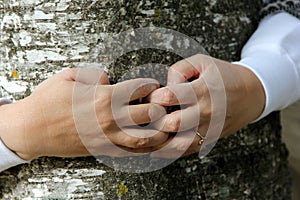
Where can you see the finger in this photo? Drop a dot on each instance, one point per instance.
(108, 142)
(174, 95)
(91, 76)
(191, 67)
(119, 151)
(135, 89)
(181, 72)
(137, 152)
(122, 151)
(142, 114)
(180, 120)
(138, 138)
(179, 145)
(186, 69)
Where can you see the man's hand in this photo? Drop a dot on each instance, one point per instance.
(244, 101)
(77, 113)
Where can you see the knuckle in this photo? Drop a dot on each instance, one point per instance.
(141, 142)
(102, 98)
(168, 97)
(206, 113)
(173, 124)
(69, 72)
(104, 111)
(201, 90)
(106, 122)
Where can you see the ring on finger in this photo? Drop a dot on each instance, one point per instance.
(202, 138)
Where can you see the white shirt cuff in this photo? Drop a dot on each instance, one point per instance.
(8, 158)
(273, 55)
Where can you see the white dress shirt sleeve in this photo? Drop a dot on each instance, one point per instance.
(7, 157)
(273, 54)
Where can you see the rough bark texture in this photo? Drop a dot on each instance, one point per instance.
(54, 34)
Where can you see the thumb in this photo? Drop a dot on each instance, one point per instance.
(181, 71)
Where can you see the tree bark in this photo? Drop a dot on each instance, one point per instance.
(40, 37)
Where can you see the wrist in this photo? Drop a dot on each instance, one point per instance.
(13, 130)
(254, 93)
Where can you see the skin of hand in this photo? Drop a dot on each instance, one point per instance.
(44, 123)
(245, 101)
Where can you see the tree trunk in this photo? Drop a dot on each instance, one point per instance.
(40, 37)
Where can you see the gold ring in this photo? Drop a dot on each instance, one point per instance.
(202, 138)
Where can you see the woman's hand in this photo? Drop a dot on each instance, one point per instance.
(77, 113)
(244, 102)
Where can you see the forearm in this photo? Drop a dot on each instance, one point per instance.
(273, 55)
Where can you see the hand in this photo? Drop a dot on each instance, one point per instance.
(71, 115)
(244, 102)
